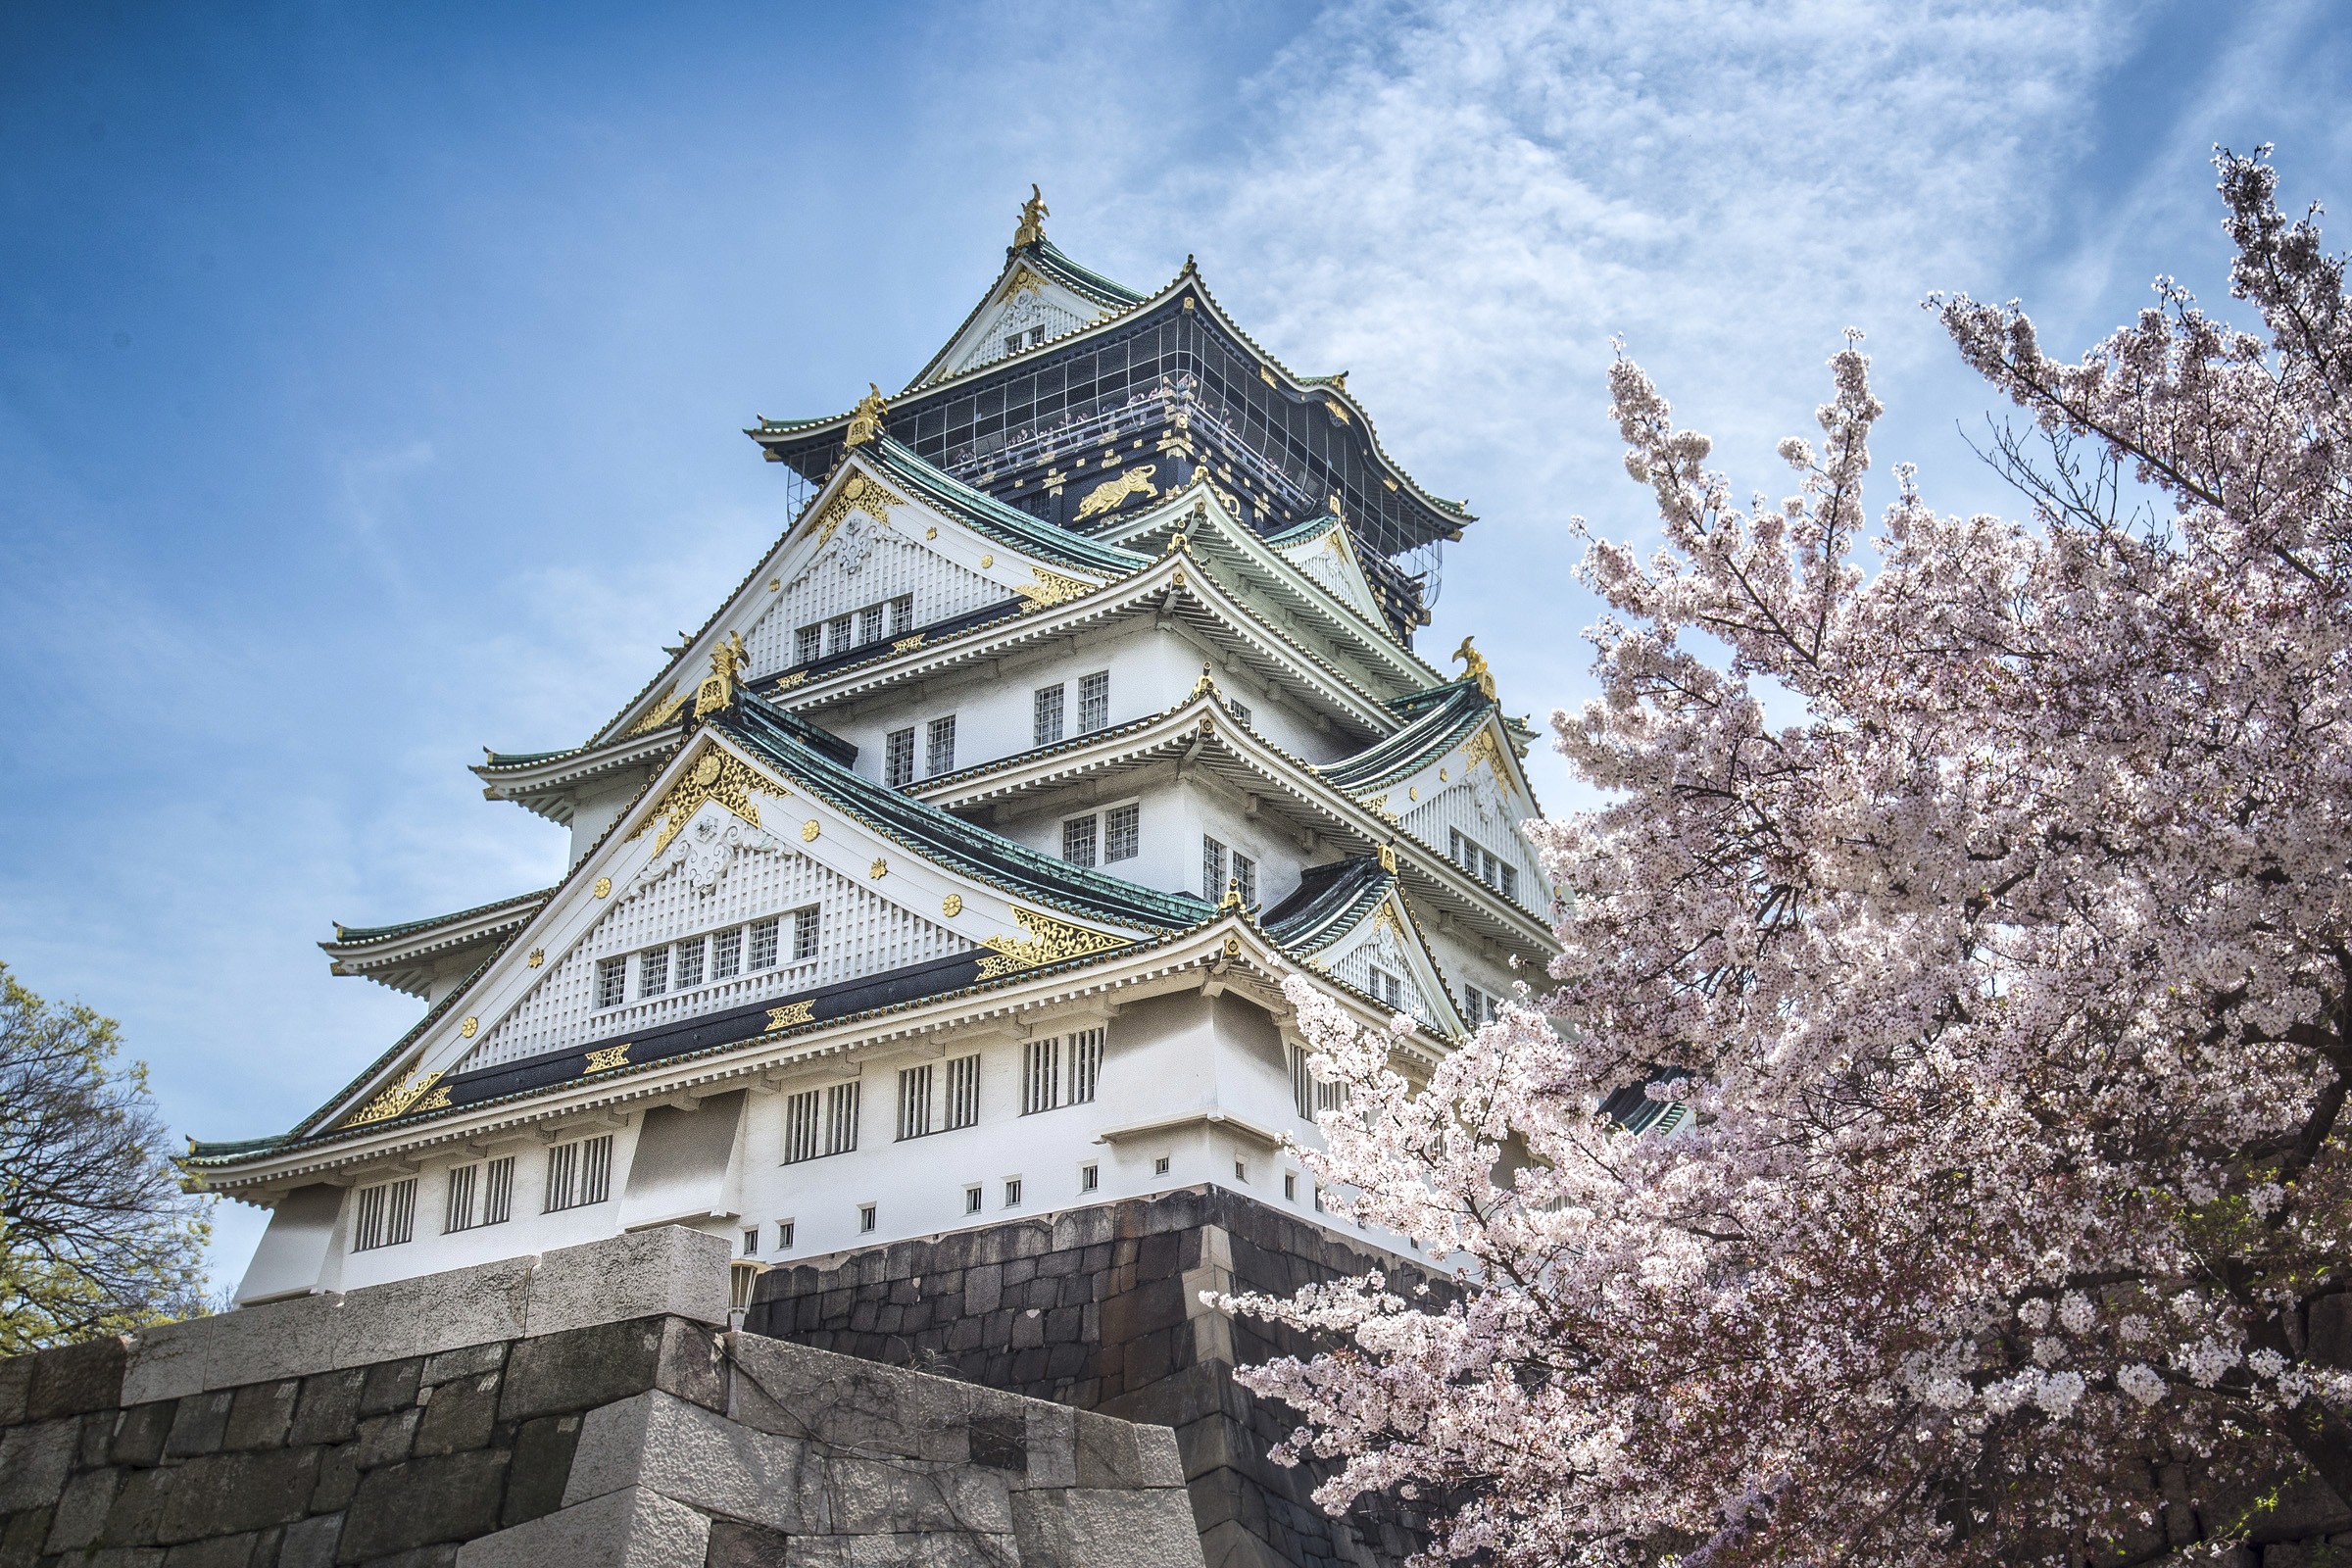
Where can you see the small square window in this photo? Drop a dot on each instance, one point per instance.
(804, 933)
(1090, 1177)
(809, 645)
(838, 634)
(1012, 342)
(1159, 1166)
(1012, 1192)
(1240, 712)
(763, 945)
(1240, 1170)
(971, 1200)
(1037, 335)
(751, 1242)
(1078, 839)
(865, 1218)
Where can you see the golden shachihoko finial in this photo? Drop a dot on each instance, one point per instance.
(717, 690)
(865, 419)
(1474, 667)
(1034, 213)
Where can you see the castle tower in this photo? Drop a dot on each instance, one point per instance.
(927, 913)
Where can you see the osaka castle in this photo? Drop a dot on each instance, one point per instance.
(947, 877)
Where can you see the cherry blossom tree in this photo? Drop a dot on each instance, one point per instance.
(2009, 989)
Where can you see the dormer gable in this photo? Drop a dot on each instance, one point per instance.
(1351, 921)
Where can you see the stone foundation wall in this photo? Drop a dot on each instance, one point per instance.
(1099, 1309)
(581, 1410)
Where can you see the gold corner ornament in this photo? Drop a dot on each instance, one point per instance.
(662, 712)
(1107, 496)
(1023, 281)
(1045, 940)
(1050, 588)
(538, 956)
(717, 690)
(1482, 749)
(858, 493)
(1034, 213)
(717, 776)
(410, 1093)
(609, 1058)
(1474, 667)
(1206, 686)
(1233, 894)
(791, 1013)
(865, 419)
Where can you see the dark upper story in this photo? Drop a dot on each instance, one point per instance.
(1167, 383)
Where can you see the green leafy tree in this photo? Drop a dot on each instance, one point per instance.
(96, 1236)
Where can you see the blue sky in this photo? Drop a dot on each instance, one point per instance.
(371, 377)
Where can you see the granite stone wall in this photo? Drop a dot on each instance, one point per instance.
(584, 1408)
(1099, 1309)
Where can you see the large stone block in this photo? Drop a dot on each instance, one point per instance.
(261, 1413)
(82, 1510)
(583, 1367)
(846, 1405)
(223, 1494)
(34, 1461)
(632, 1528)
(894, 1495)
(694, 1456)
(666, 1271)
(459, 1414)
(1078, 1529)
(541, 1467)
(419, 1502)
(329, 1409)
(76, 1379)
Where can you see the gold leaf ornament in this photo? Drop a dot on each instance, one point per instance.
(1051, 588)
(400, 1098)
(1042, 940)
(952, 906)
(791, 1012)
(858, 493)
(609, 1058)
(1111, 493)
(716, 775)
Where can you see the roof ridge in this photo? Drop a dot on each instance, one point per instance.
(347, 934)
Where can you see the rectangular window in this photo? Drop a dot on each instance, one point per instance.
(726, 955)
(611, 982)
(1245, 878)
(386, 1218)
(914, 1101)
(784, 1230)
(1078, 840)
(800, 1127)
(865, 1218)
(1484, 863)
(962, 1108)
(763, 945)
(1094, 701)
(869, 625)
(579, 1173)
(1012, 1192)
(840, 1118)
(1289, 1185)
(901, 616)
(498, 1191)
(459, 1213)
(1159, 1166)
(1212, 870)
(1044, 726)
(1041, 1075)
(1090, 1177)
(1012, 342)
(1086, 1064)
(804, 933)
(941, 757)
(898, 757)
(1302, 1084)
(971, 1200)
(563, 1178)
(1122, 833)
(690, 962)
(809, 645)
(1387, 989)
(1240, 1170)
(838, 632)
(653, 972)
(1240, 712)
(751, 1242)
(1037, 335)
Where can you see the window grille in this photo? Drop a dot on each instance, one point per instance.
(611, 982)
(1090, 1177)
(1086, 1064)
(1045, 715)
(1012, 342)
(838, 631)
(804, 933)
(1160, 1165)
(459, 1213)
(942, 753)
(764, 944)
(726, 955)
(751, 1242)
(690, 964)
(800, 1127)
(971, 1200)
(1485, 1006)
(1094, 701)
(784, 1231)
(1245, 877)
(1078, 840)
(869, 625)
(809, 645)
(1037, 335)
(914, 1101)
(1122, 833)
(1041, 1075)
(1484, 863)
(1240, 712)
(1302, 1084)
(579, 1173)
(498, 1191)
(962, 1108)
(898, 749)
(652, 971)
(1212, 869)
(840, 1118)
(563, 1178)
(1012, 1192)
(901, 614)
(387, 1215)
(1387, 989)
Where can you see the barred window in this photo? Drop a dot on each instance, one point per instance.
(1094, 701)
(1484, 863)
(1245, 877)
(914, 1101)
(898, 757)
(838, 632)
(869, 625)
(1041, 1075)
(1387, 989)
(1483, 1006)
(611, 982)
(1302, 1084)
(962, 1108)
(800, 1127)
(804, 933)
(1086, 1064)
(1212, 869)
(690, 962)
(840, 1118)
(653, 972)
(459, 1213)
(1045, 715)
(865, 1218)
(579, 1173)
(901, 614)
(764, 944)
(726, 955)
(1122, 833)
(498, 1191)
(386, 1216)
(1238, 710)
(809, 645)
(1078, 840)
(784, 1231)
(1012, 1192)
(751, 1240)
(971, 1200)
(941, 757)
(1090, 1177)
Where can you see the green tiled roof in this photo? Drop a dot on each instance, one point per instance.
(1049, 259)
(1010, 525)
(1329, 902)
(376, 933)
(1442, 717)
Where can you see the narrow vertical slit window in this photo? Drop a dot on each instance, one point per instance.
(460, 1212)
(840, 1118)
(962, 1108)
(563, 1178)
(1086, 1064)
(1090, 1178)
(1041, 1075)
(865, 1218)
(1012, 1192)
(596, 1169)
(498, 1191)
(914, 1101)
